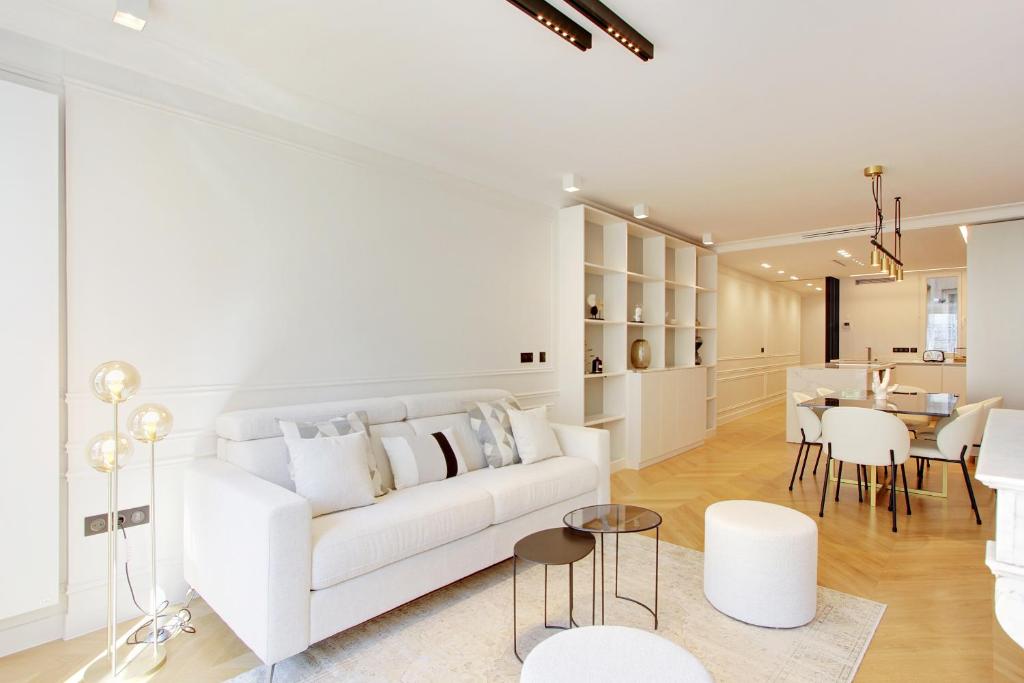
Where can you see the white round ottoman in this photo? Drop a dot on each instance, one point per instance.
(611, 654)
(761, 563)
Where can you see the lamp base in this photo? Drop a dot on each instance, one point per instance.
(137, 663)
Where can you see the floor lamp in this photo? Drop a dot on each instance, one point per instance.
(150, 423)
(115, 382)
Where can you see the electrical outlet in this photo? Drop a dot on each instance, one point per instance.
(129, 517)
(526, 357)
(542, 356)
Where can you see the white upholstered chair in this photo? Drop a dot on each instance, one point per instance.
(954, 438)
(810, 435)
(915, 423)
(825, 391)
(865, 437)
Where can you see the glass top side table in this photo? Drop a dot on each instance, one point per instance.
(619, 519)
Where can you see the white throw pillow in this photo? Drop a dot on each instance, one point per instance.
(535, 438)
(427, 457)
(339, 426)
(489, 420)
(332, 472)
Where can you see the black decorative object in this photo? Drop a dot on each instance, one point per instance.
(596, 366)
(697, 343)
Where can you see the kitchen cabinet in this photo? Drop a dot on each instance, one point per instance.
(667, 413)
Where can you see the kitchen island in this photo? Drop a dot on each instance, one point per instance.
(842, 377)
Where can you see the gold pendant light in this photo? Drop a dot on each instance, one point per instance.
(889, 262)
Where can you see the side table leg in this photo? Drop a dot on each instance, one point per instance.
(546, 596)
(515, 639)
(617, 564)
(571, 621)
(602, 579)
(593, 589)
(657, 560)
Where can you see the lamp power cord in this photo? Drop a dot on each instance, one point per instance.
(171, 624)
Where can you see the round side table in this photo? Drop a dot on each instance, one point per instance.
(548, 547)
(619, 519)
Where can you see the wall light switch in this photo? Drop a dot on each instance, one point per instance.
(526, 357)
(542, 356)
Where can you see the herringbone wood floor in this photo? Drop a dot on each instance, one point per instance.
(939, 625)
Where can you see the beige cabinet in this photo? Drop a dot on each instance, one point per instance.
(666, 413)
(954, 381)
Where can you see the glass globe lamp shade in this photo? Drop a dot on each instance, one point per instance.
(100, 451)
(150, 422)
(115, 381)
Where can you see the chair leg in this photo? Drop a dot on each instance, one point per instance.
(796, 464)
(970, 488)
(807, 454)
(920, 472)
(824, 486)
(839, 479)
(892, 489)
(906, 489)
(860, 491)
(817, 459)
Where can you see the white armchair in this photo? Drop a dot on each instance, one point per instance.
(953, 442)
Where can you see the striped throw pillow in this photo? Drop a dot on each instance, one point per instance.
(428, 457)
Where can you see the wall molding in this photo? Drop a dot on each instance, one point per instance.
(201, 389)
(748, 407)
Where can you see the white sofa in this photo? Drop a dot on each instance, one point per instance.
(283, 580)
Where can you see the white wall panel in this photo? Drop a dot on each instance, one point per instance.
(30, 349)
(237, 268)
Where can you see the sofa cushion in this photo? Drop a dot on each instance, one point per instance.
(380, 455)
(401, 524)
(520, 489)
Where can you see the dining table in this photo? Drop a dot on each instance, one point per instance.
(932, 405)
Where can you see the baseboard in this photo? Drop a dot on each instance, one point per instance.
(32, 633)
(730, 414)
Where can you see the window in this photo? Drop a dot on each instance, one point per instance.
(942, 313)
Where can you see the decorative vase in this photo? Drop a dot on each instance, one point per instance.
(640, 354)
(697, 343)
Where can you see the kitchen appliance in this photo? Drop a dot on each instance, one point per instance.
(933, 356)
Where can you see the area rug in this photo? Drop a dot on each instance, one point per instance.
(463, 632)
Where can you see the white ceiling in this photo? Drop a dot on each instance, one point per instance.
(812, 260)
(755, 118)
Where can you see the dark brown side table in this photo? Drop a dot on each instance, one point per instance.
(553, 546)
(619, 519)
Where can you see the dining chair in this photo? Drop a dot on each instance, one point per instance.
(865, 437)
(825, 391)
(988, 405)
(915, 423)
(954, 438)
(810, 435)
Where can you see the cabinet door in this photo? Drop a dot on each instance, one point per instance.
(954, 381)
(693, 406)
(927, 377)
(671, 419)
(651, 420)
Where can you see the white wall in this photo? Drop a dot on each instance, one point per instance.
(240, 260)
(30, 346)
(812, 329)
(884, 316)
(995, 315)
(754, 315)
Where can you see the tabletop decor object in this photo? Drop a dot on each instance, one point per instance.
(149, 423)
(640, 354)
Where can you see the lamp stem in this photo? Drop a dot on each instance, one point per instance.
(112, 528)
(152, 541)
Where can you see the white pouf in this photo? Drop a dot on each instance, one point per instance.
(761, 563)
(612, 654)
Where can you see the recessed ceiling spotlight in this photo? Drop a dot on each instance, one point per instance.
(810, 284)
(781, 272)
(843, 253)
(708, 239)
(766, 265)
(640, 211)
(818, 288)
(571, 182)
(793, 277)
(132, 14)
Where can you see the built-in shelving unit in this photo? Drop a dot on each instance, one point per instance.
(624, 265)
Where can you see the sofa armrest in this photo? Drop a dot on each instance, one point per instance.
(247, 553)
(592, 444)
